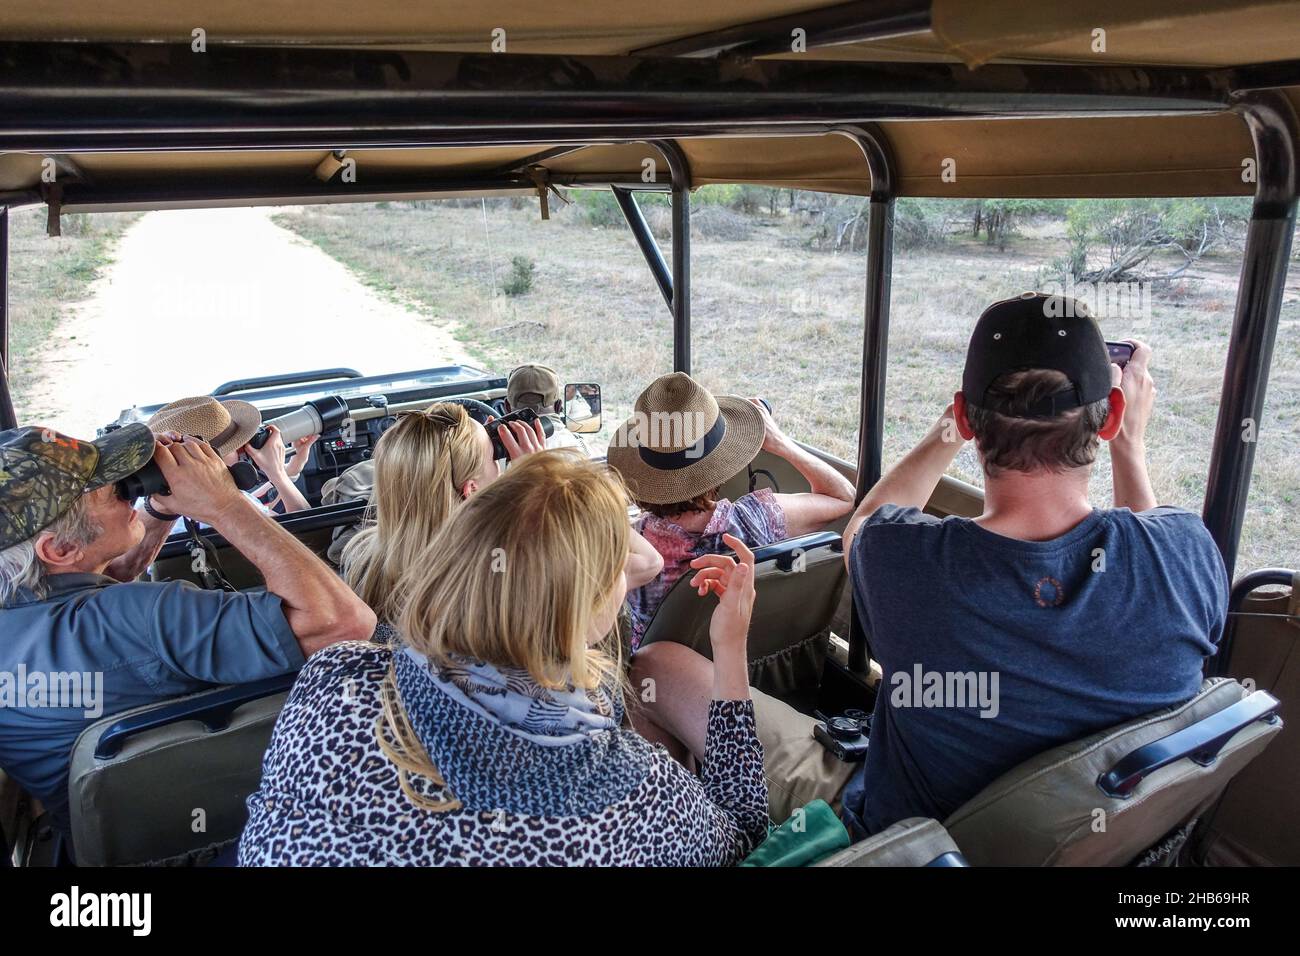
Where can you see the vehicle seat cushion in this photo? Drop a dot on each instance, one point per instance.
(915, 841)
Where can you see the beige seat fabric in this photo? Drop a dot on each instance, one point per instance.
(1045, 811)
(916, 841)
(171, 791)
(788, 633)
(1254, 824)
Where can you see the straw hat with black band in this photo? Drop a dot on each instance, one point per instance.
(225, 425)
(682, 442)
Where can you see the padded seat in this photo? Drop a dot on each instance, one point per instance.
(916, 841)
(1104, 800)
(166, 783)
(798, 584)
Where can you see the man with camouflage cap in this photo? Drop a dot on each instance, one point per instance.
(70, 548)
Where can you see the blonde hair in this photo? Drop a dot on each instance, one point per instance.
(421, 463)
(518, 578)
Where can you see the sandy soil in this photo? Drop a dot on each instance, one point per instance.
(199, 297)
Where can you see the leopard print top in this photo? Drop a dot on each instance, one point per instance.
(330, 797)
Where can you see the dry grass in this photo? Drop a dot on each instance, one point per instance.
(48, 274)
(773, 318)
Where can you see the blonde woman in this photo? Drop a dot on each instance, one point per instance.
(492, 734)
(425, 466)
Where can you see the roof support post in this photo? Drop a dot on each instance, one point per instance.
(645, 239)
(875, 336)
(8, 419)
(1276, 133)
(681, 303)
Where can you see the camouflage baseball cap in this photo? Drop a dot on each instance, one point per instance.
(42, 473)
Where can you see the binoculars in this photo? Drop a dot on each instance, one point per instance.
(525, 415)
(149, 481)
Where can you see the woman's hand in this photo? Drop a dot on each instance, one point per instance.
(270, 457)
(733, 581)
(774, 440)
(301, 449)
(519, 439)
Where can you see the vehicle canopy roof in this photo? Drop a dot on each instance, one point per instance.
(1044, 112)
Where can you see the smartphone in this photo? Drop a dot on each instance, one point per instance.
(1120, 352)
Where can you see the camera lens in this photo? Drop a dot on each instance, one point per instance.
(842, 728)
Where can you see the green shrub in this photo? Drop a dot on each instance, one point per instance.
(520, 281)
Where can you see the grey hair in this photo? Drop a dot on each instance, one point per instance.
(20, 568)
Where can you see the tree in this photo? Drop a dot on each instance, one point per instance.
(1129, 235)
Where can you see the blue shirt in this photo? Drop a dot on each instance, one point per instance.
(1050, 640)
(95, 647)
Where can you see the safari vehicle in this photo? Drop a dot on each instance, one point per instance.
(211, 104)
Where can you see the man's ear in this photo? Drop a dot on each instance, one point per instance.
(55, 556)
(959, 414)
(1115, 418)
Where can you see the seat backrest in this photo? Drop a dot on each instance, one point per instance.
(798, 584)
(916, 841)
(1103, 800)
(166, 783)
(1255, 823)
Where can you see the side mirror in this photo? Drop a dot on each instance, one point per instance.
(582, 408)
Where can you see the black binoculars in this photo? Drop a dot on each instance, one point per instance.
(149, 481)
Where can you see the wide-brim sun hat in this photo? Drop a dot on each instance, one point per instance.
(225, 425)
(682, 442)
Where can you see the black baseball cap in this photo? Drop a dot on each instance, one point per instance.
(1035, 330)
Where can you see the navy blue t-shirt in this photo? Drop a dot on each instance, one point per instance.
(995, 649)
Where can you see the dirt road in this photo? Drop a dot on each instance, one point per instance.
(198, 297)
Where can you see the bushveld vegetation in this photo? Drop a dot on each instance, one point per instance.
(777, 295)
(777, 306)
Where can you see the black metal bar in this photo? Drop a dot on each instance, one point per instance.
(1200, 742)
(8, 417)
(288, 378)
(645, 239)
(212, 708)
(4, 286)
(1276, 133)
(875, 337)
(297, 523)
(827, 26)
(520, 165)
(241, 191)
(1219, 665)
(63, 97)
(681, 173)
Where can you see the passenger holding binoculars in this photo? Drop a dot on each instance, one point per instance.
(230, 426)
(70, 544)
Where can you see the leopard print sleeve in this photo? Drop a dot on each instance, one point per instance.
(732, 768)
